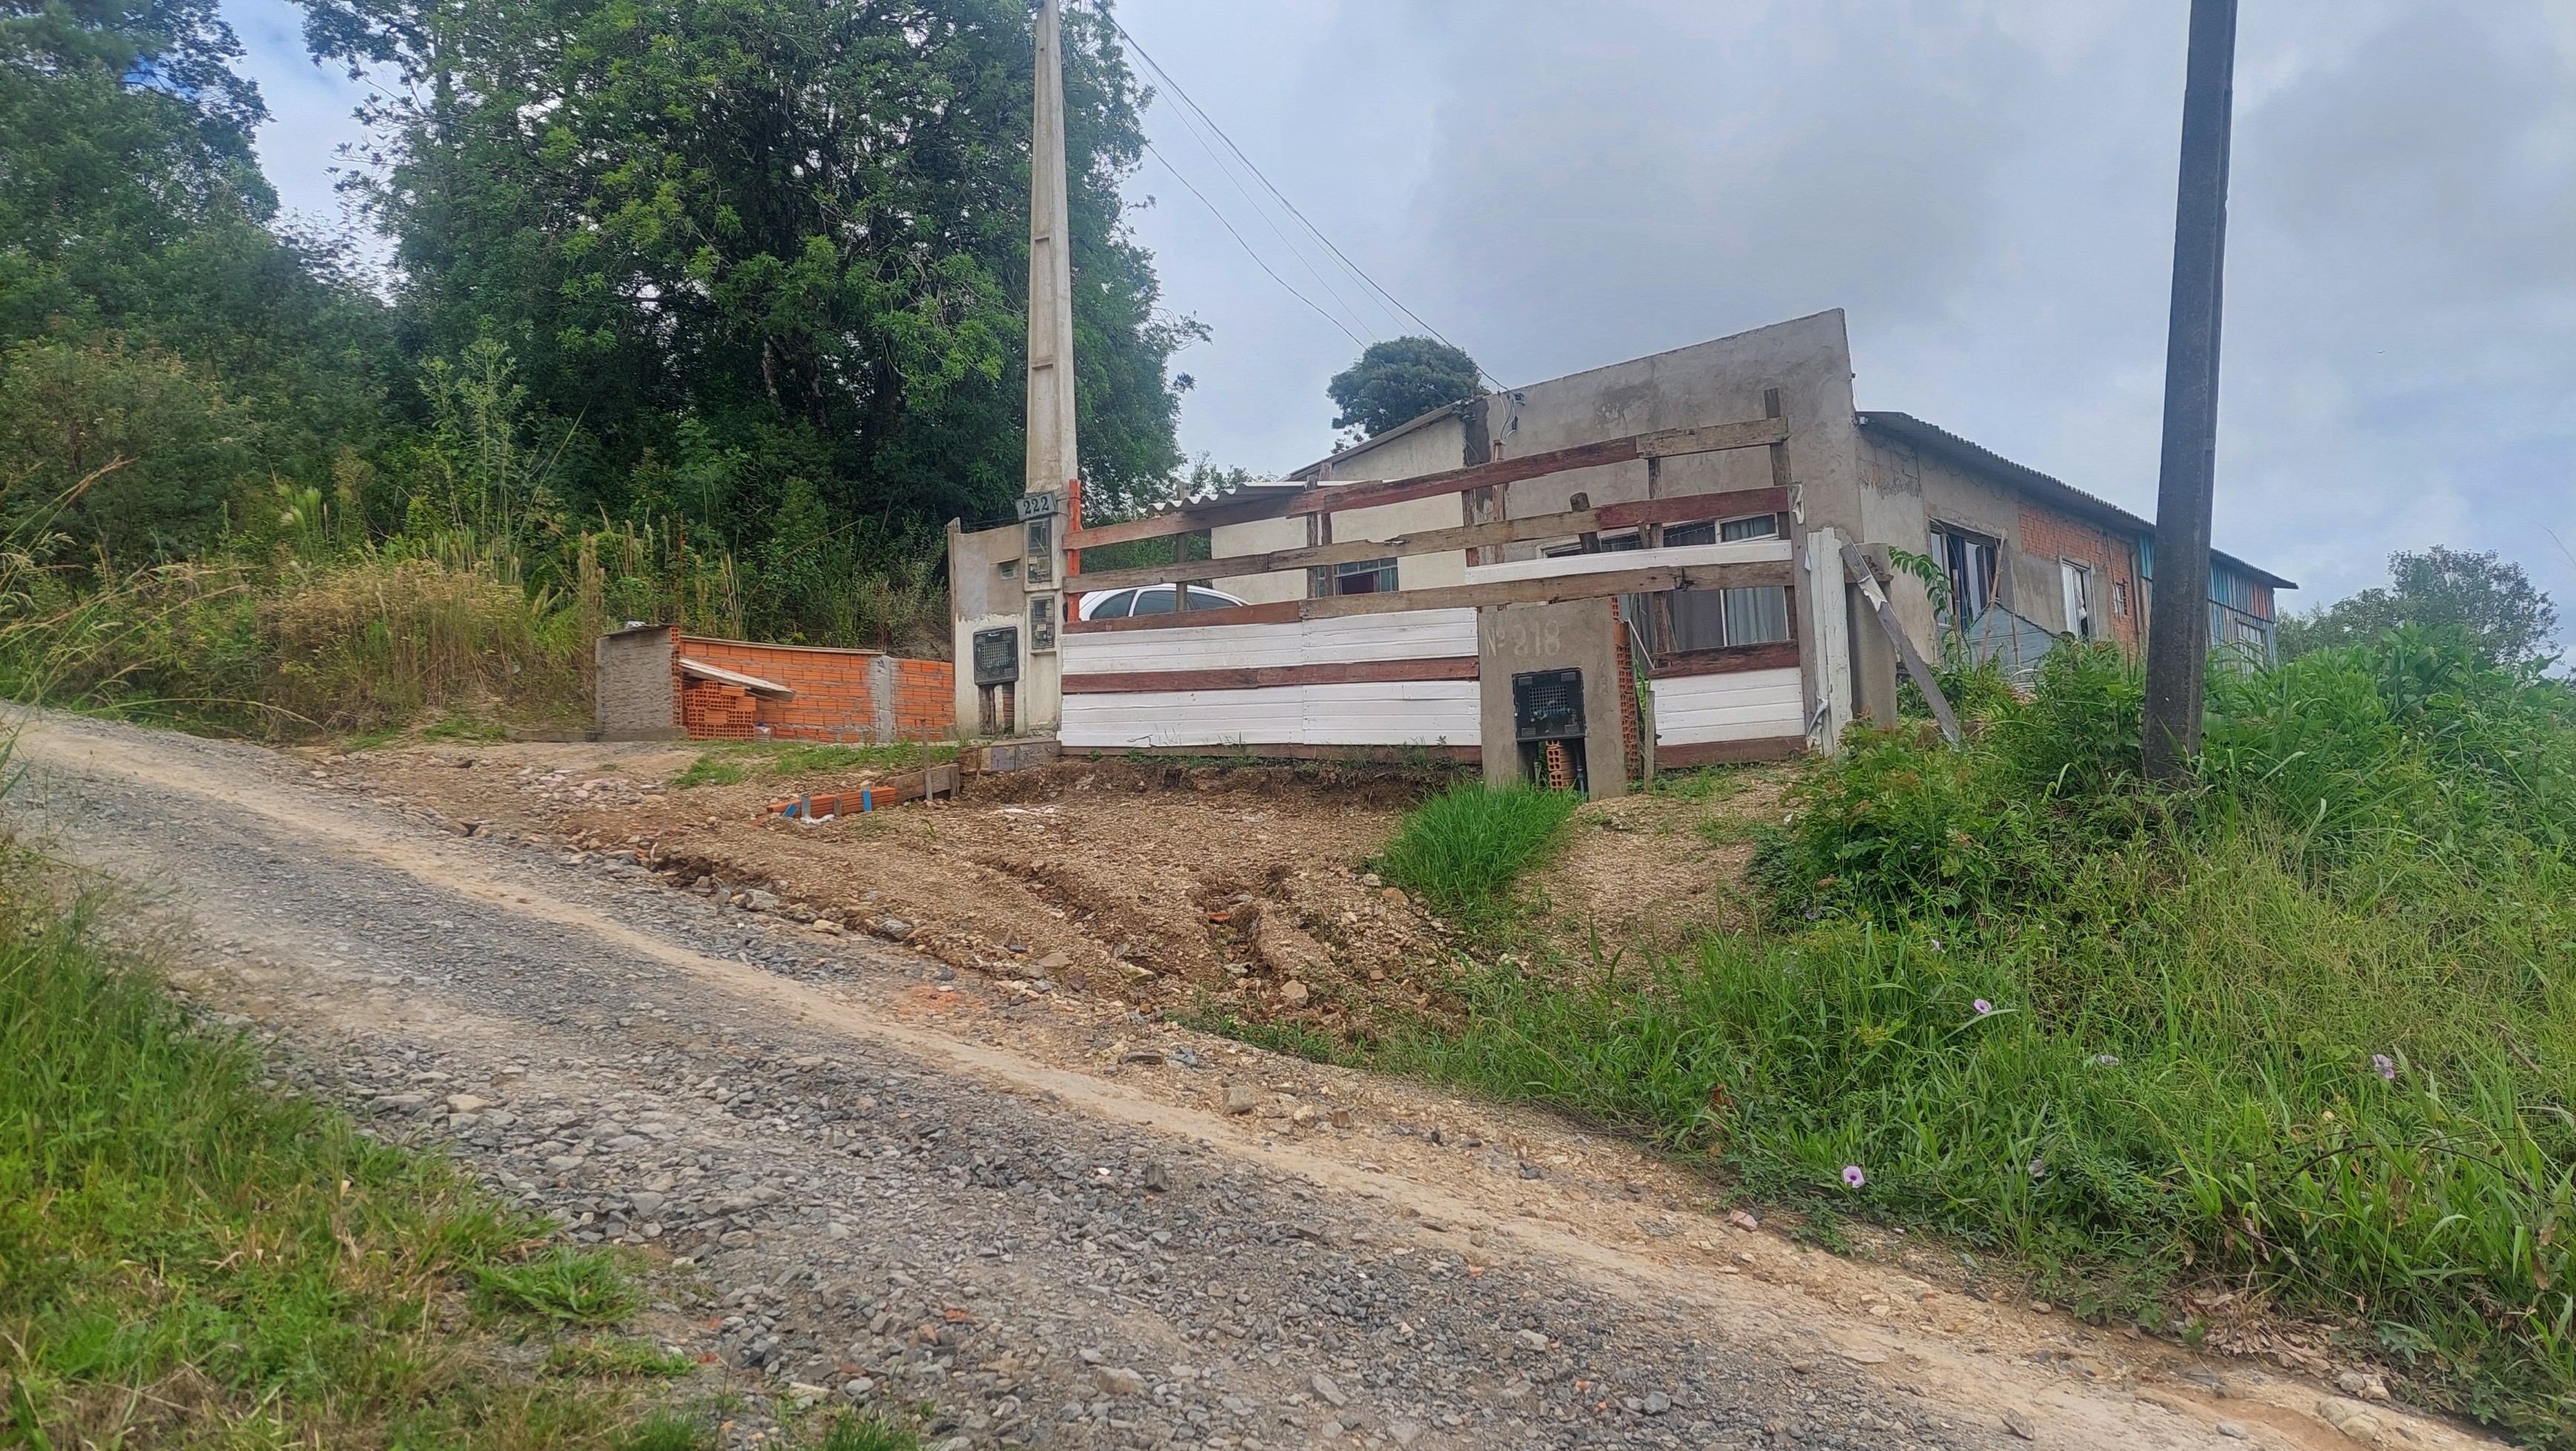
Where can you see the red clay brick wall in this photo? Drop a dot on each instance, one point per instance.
(925, 697)
(713, 711)
(2117, 608)
(836, 690)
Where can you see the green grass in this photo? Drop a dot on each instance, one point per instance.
(867, 1433)
(610, 1355)
(1463, 849)
(1294, 1039)
(2308, 1028)
(733, 764)
(189, 1258)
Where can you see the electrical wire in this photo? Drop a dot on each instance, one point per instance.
(1271, 221)
(1291, 207)
(1247, 246)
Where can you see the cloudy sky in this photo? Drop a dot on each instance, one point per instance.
(1985, 185)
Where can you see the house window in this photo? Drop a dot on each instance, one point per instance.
(2120, 598)
(1605, 544)
(1757, 526)
(2076, 582)
(1364, 577)
(1970, 561)
(1713, 619)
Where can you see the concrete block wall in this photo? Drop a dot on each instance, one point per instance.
(634, 683)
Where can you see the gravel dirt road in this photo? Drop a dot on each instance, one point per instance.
(1055, 1220)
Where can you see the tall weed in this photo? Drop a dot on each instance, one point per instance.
(2309, 1024)
(1464, 848)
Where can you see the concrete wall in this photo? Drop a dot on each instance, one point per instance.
(981, 597)
(637, 696)
(1581, 634)
(1723, 381)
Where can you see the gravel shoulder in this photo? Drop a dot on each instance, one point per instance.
(1055, 1219)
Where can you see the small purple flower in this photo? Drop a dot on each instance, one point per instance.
(1983, 1007)
(2384, 1066)
(1853, 1177)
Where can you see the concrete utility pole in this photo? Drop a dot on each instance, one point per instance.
(2178, 619)
(1052, 460)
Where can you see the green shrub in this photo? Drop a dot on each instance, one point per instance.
(2177, 1072)
(1462, 849)
(2309, 1023)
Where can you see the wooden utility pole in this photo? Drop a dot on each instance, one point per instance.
(2178, 619)
(1052, 459)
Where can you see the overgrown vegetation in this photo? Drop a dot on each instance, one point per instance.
(619, 373)
(189, 1258)
(2304, 1031)
(1463, 848)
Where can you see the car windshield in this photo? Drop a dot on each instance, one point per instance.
(1208, 599)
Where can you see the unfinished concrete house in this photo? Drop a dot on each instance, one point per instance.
(1576, 582)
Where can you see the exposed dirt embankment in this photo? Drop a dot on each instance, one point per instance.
(1245, 889)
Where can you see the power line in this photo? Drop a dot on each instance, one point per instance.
(1273, 189)
(1247, 246)
(1270, 221)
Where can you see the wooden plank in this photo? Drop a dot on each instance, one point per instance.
(1682, 757)
(1282, 613)
(1857, 564)
(1715, 438)
(1730, 660)
(1679, 509)
(1336, 499)
(1694, 508)
(1555, 589)
(1348, 672)
(1474, 596)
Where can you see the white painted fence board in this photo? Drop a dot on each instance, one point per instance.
(1748, 705)
(1394, 713)
(1404, 635)
(1387, 713)
(1268, 714)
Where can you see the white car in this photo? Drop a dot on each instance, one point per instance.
(1152, 599)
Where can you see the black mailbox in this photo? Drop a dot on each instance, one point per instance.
(1547, 705)
(997, 656)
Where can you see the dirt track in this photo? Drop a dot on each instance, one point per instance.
(1063, 1222)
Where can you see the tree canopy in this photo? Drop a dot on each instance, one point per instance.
(766, 248)
(2486, 600)
(1397, 381)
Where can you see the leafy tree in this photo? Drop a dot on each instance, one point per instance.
(107, 449)
(770, 255)
(1398, 381)
(143, 294)
(2488, 601)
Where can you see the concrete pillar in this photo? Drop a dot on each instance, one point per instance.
(1053, 460)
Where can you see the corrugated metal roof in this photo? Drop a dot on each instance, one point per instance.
(2055, 492)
